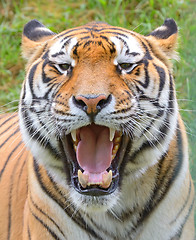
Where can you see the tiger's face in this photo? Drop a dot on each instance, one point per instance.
(92, 98)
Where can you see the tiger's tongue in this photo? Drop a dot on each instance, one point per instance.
(94, 151)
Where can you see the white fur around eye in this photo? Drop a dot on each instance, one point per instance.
(132, 45)
(60, 52)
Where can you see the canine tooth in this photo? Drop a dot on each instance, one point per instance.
(73, 134)
(112, 133)
(75, 147)
(83, 179)
(107, 179)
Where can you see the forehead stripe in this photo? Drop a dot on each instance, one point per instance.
(107, 30)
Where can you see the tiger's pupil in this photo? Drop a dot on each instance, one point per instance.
(64, 66)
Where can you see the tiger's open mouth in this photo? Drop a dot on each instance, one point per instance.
(95, 152)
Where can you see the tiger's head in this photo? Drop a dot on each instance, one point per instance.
(98, 106)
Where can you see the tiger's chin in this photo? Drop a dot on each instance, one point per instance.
(94, 204)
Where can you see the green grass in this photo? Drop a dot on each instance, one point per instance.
(140, 16)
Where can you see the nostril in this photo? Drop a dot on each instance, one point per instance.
(80, 103)
(104, 102)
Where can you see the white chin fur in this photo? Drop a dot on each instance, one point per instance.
(92, 203)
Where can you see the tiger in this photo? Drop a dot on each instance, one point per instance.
(97, 149)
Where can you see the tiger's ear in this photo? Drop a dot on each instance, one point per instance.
(34, 34)
(166, 37)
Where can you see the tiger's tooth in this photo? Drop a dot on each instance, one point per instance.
(112, 133)
(106, 179)
(83, 179)
(117, 139)
(75, 147)
(116, 147)
(73, 135)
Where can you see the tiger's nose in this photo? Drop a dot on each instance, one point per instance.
(92, 104)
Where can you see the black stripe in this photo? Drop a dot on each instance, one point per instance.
(39, 118)
(171, 94)
(22, 170)
(11, 135)
(46, 215)
(36, 135)
(124, 110)
(49, 230)
(78, 218)
(147, 79)
(16, 122)
(45, 79)
(179, 234)
(152, 50)
(110, 44)
(58, 54)
(161, 73)
(76, 30)
(12, 152)
(51, 87)
(45, 55)
(87, 44)
(169, 109)
(125, 44)
(147, 54)
(117, 30)
(75, 48)
(55, 185)
(120, 33)
(31, 80)
(2, 116)
(45, 52)
(67, 37)
(184, 205)
(124, 162)
(29, 233)
(8, 119)
(66, 43)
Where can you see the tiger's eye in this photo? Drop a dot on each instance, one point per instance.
(125, 66)
(64, 66)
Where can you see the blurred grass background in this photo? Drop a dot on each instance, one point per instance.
(141, 16)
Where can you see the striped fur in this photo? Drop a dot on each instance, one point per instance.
(129, 76)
